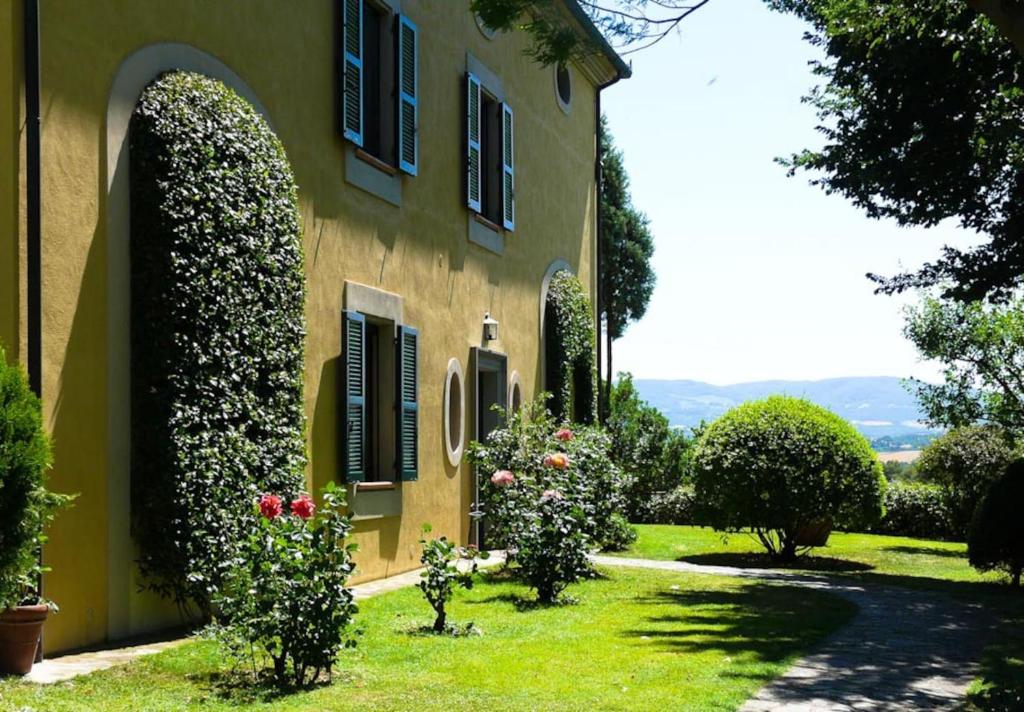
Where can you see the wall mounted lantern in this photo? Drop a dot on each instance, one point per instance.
(490, 328)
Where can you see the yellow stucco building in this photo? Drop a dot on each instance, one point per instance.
(447, 184)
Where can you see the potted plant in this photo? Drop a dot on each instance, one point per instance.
(27, 508)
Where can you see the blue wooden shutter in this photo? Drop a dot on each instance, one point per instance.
(473, 142)
(352, 71)
(408, 403)
(408, 95)
(354, 401)
(508, 180)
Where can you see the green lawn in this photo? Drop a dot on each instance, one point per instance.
(919, 563)
(636, 640)
(899, 559)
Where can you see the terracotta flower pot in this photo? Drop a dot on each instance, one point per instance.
(20, 629)
(814, 533)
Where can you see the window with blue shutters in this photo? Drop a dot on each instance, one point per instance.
(490, 154)
(380, 399)
(380, 87)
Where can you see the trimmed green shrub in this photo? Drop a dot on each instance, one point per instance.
(27, 505)
(964, 462)
(780, 464)
(569, 342)
(218, 329)
(996, 538)
(619, 534)
(916, 509)
(676, 507)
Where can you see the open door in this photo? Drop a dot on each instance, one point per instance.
(489, 379)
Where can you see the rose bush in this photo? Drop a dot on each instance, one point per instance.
(552, 545)
(285, 597)
(441, 575)
(529, 455)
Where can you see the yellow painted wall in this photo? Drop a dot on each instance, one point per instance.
(285, 53)
(10, 106)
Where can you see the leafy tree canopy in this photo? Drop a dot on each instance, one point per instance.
(922, 111)
(980, 346)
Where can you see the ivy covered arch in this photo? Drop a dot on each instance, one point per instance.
(217, 328)
(570, 372)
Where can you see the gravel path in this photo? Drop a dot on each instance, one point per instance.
(905, 649)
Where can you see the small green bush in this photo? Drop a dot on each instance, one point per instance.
(569, 343)
(916, 509)
(996, 537)
(27, 505)
(552, 545)
(441, 575)
(218, 329)
(619, 535)
(964, 462)
(782, 463)
(676, 507)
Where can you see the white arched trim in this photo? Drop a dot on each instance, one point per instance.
(128, 611)
(545, 284)
(514, 401)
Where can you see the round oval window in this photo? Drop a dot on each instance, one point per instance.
(454, 416)
(563, 85)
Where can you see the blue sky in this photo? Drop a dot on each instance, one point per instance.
(760, 276)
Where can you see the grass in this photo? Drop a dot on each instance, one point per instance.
(636, 640)
(896, 558)
(917, 563)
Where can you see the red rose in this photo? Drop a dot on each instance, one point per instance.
(303, 507)
(270, 506)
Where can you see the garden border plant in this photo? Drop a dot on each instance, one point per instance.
(569, 343)
(218, 329)
(440, 576)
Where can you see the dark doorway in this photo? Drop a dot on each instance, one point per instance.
(490, 376)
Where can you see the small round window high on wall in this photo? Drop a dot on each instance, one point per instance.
(454, 413)
(563, 86)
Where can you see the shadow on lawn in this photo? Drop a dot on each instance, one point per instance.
(240, 688)
(927, 551)
(764, 561)
(762, 621)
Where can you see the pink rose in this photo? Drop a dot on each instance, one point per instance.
(270, 506)
(551, 494)
(564, 435)
(303, 507)
(502, 478)
(558, 460)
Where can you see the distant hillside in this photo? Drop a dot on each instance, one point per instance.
(880, 407)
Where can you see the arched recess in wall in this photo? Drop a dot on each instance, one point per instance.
(515, 393)
(130, 612)
(545, 325)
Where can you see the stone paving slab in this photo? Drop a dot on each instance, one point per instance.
(66, 667)
(905, 649)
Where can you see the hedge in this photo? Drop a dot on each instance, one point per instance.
(569, 342)
(217, 332)
(916, 510)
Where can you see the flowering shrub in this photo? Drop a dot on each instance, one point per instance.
(530, 455)
(285, 596)
(552, 545)
(441, 575)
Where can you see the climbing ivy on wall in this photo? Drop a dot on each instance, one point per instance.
(218, 329)
(569, 351)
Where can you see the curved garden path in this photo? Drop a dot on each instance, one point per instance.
(905, 649)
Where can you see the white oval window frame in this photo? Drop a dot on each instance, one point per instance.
(565, 106)
(514, 383)
(486, 31)
(454, 450)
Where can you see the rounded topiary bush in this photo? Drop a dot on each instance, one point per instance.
(569, 342)
(27, 505)
(218, 328)
(996, 538)
(964, 462)
(780, 464)
(917, 509)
